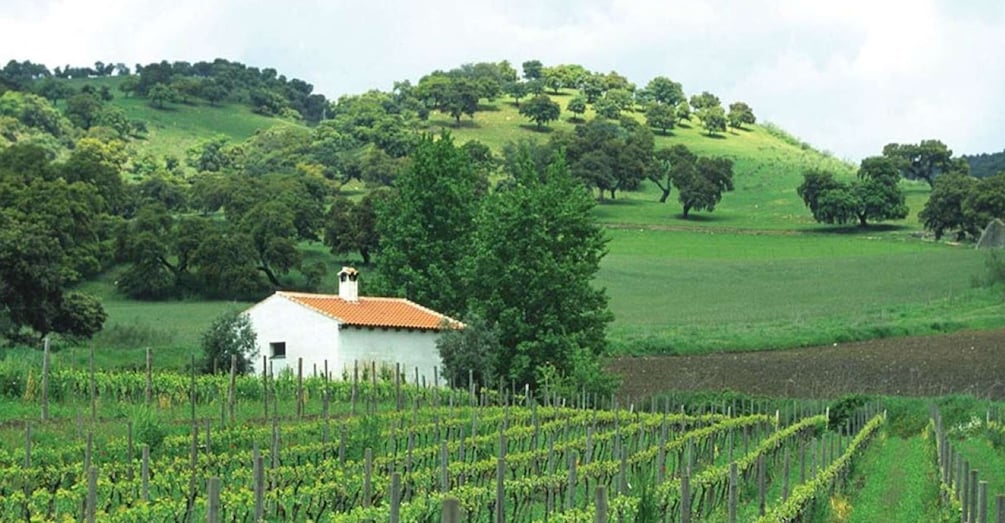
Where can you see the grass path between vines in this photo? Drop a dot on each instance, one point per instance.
(895, 481)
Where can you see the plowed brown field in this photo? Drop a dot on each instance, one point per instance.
(971, 362)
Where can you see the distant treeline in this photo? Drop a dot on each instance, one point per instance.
(986, 164)
(264, 90)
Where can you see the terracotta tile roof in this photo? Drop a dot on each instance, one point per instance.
(395, 313)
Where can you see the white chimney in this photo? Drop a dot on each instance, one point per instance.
(348, 286)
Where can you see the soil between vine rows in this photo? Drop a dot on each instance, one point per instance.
(969, 362)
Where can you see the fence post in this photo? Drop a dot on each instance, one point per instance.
(451, 510)
(395, 515)
(231, 392)
(982, 502)
(45, 379)
(145, 473)
(733, 485)
(93, 387)
(1000, 509)
(148, 394)
(500, 488)
(685, 496)
(785, 476)
(213, 500)
(761, 486)
(601, 505)
(972, 513)
(367, 470)
(92, 494)
(259, 474)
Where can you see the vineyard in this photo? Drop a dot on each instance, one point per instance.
(153, 446)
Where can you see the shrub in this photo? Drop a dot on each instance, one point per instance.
(230, 334)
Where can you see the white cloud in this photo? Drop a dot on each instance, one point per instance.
(846, 76)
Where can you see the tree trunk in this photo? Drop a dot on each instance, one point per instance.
(612, 193)
(665, 195)
(687, 209)
(365, 253)
(861, 221)
(270, 275)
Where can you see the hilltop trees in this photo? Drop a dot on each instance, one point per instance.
(740, 113)
(541, 110)
(700, 186)
(665, 91)
(577, 106)
(661, 116)
(873, 196)
(713, 119)
(608, 155)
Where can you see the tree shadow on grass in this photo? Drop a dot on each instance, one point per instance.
(536, 129)
(618, 202)
(452, 124)
(714, 136)
(697, 218)
(488, 108)
(854, 229)
(684, 125)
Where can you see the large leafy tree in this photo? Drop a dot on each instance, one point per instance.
(740, 113)
(921, 161)
(985, 202)
(700, 188)
(661, 116)
(670, 163)
(943, 211)
(577, 106)
(713, 119)
(450, 93)
(873, 196)
(425, 229)
(608, 155)
(665, 91)
(53, 233)
(351, 226)
(541, 110)
(535, 253)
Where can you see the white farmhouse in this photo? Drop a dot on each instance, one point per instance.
(345, 329)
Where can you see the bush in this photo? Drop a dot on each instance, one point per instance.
(230, 334)
(473, 348)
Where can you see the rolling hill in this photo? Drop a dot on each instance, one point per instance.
(758, 273)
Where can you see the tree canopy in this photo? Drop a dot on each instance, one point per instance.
(535, 251)
(426, 227)
(873, 196)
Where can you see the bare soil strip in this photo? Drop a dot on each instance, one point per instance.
(969, 362)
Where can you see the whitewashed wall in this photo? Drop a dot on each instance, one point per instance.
(316, 338)
(307, 333)
(412, 349)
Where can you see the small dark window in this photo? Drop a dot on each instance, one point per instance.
(278, 349)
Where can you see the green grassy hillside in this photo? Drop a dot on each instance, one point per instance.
(757, 273)
(172, 130)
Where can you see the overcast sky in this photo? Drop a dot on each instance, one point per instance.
(847, 76)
